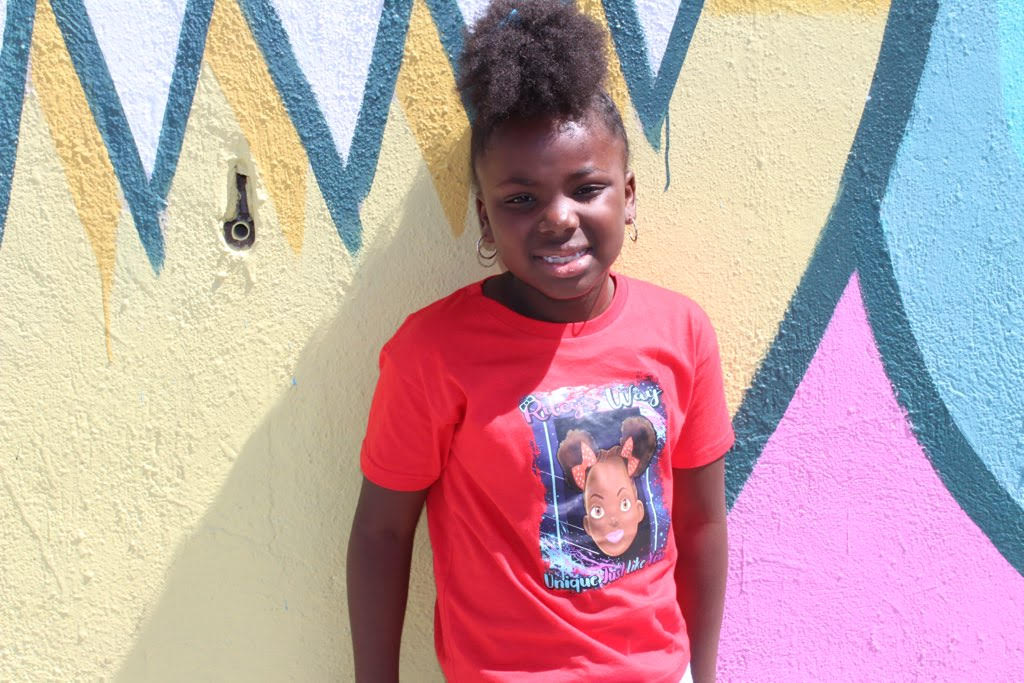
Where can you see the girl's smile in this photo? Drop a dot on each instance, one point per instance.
(566, 263)
(554, 200)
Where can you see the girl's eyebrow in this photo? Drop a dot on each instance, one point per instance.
(586, 170)
(579, 173)
(620, 490)
(515, 180)
(597, 495)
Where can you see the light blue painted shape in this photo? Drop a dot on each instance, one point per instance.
(953, 218)
(1011, 44)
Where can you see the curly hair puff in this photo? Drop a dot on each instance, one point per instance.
(534, 58)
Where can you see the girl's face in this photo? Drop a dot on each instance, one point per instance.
(554, 200)
(613, 511)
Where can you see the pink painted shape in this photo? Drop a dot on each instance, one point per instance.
(850, 561)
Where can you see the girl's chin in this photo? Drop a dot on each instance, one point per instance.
(565, 289)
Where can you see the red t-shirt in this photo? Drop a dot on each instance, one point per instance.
(548, 450)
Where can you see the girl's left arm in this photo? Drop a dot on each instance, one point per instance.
(698, 523)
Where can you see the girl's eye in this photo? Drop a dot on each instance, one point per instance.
(588, 190)
(597, 512)
(518, 199)
(625, 504)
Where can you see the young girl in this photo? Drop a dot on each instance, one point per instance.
(564, 424)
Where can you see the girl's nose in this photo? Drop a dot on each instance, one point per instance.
(559, 217)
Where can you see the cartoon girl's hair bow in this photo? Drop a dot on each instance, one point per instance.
(579, 472)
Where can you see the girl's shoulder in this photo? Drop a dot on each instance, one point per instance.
(451, 306)
(656, 303)
(426, 329)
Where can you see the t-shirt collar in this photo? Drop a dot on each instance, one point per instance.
(543, 328)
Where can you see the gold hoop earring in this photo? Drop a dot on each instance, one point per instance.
(634, 233)
(484, 259)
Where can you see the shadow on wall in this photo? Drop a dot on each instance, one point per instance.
(258, 590)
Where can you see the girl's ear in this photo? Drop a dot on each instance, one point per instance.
(485, 224)
(630, 190)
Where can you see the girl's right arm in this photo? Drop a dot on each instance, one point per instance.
(379, 555)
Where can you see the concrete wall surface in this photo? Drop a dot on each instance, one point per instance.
(839, 184)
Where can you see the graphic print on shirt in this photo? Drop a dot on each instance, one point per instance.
(597, 450)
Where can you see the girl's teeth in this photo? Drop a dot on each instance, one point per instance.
(563, 259)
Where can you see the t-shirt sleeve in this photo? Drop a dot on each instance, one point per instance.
(707, 427)
(407, 439)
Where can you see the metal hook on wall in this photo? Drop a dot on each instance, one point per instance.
(240, 231)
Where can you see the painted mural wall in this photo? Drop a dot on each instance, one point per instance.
(840, 185)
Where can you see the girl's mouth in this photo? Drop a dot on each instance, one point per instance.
(615, 536)
(564, 259)
(565, 265)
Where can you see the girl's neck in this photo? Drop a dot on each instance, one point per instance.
(518, 296)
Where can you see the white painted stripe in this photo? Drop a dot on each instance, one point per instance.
(3, 15)
(472, 9)
(656, 18)
(139, 41)
(333, 45)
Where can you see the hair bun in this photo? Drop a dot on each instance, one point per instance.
(527, 58)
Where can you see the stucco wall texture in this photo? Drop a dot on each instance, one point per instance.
(840, 185)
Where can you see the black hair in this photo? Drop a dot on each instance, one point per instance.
(528, 59)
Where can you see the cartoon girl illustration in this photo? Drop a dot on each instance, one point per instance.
(612, 507)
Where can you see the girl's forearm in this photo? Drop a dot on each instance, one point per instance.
(700, 584)
(378, 586)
